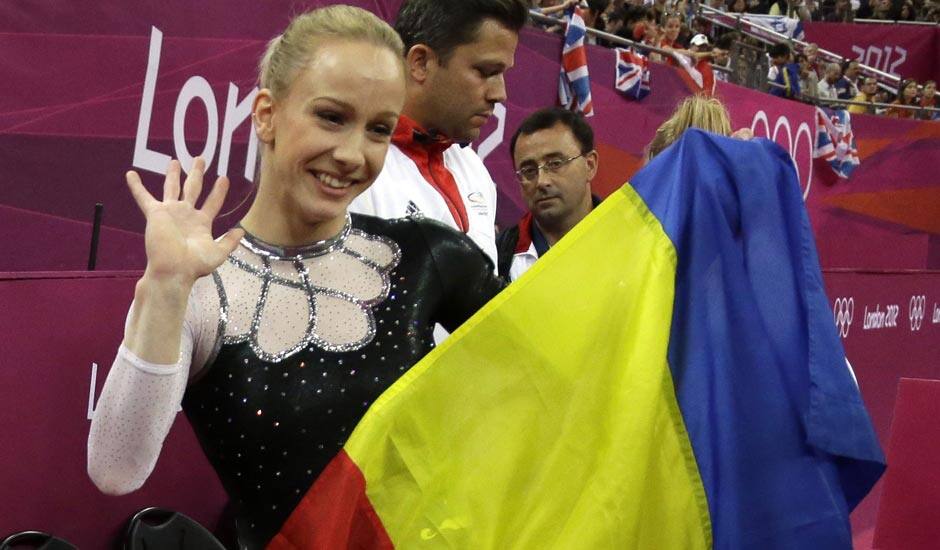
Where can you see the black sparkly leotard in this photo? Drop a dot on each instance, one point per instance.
(309, 339)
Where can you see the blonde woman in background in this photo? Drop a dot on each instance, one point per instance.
(706, 113)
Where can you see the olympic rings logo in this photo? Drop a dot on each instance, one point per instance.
(792, 145)
(916, 311)
(842, 313)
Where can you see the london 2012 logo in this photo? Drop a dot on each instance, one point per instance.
(916, 311)
(842, 312)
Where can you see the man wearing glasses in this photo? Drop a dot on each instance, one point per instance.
(553, 153)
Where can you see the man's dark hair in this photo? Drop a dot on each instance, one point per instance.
(544, 119)
(779, 50)
(443, 25)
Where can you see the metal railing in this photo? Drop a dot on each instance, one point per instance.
(613, 38)
(769, 36)
(895, 22)
(829, 102)
(620, 41)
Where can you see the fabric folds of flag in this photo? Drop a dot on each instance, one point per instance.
(698, 75)
(835, 143)
(632, 76)
(790, 27)
(667, 376)
(574, 83)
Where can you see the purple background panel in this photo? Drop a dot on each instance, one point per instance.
(908, 51)
(54, 327)
(880, 356)
(68, 129)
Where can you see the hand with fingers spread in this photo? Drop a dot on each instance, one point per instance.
(178, 237)
(180, 250)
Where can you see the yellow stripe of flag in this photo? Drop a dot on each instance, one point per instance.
(499, 439)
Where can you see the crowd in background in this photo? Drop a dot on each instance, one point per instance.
(672, 25)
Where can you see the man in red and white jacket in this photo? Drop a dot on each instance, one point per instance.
(457, 52)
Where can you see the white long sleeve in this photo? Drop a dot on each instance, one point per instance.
(135, 411)
(140, 400)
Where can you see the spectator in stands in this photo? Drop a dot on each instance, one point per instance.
(794, 9)
(555, 160)
(932, 13)
(929, 99)
(637, 20)
(867, 94)
(907, 12)
(842, 13)
(882, 96)
(592, 17)
(672, 25)
(907, 95)
(659, 8)
(699, 55)
(641, 21)
(880, 9)
(554, 8)
(850, 71)
(737, 7)
(834, 85)
(809, 81)
(721, 55)
(783, 72)
(615, 21)
(701, 25)
(812, 56)
(546, 8)
(667, 38)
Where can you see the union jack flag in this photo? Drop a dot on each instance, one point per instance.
(633, 74)
(574, 84)
(835, 142)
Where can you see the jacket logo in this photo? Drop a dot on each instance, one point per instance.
(477, 202)
(412, 210)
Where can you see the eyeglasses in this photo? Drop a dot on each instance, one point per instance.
(530, 174)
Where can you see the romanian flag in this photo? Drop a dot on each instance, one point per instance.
(667, 376)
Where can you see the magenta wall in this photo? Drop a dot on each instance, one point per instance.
(55, 328)
(69, 130)
(76, 121)
(906, 51)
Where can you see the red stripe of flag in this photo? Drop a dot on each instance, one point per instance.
(335, 513)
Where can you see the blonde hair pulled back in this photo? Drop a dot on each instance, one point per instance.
(288, 52)
(706, 113)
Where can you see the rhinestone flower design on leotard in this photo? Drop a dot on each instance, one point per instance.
(321, 294)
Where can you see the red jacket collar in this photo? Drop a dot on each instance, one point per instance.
(525, 234)
(409, 135)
